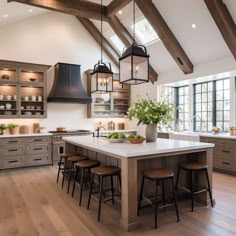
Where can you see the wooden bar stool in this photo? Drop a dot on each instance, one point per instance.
(83, 165)
(194, 168)
(103, 172)
(159, 175)
(71, 161)
(63, 158)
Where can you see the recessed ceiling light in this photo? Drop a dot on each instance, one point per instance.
(120, 12)
(194, 26)
(30, 10)
(5, 16)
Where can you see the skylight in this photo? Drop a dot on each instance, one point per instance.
(144, 32)
(116, 42)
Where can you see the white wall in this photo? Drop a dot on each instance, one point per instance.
(48, 39)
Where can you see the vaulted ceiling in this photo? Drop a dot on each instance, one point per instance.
(181, 46)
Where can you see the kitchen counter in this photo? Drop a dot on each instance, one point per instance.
(24, 135)
(133, 158)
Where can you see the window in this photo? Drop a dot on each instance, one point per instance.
(116, 42)
(212, 105)
(144, 31)
(168, 94)
(182, 108)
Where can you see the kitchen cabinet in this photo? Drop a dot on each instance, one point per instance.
(22, 90)
(223, 153)
(109, 105)
(25, 151)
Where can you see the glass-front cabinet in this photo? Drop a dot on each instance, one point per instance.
(22, 90)
(111, 105)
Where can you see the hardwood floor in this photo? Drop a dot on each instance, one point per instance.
(32, 204)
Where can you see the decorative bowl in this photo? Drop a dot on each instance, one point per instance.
(115, 140)
(136, 140)
(6, 77)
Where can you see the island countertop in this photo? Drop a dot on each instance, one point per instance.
(127, 149)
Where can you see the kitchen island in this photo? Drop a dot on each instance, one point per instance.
(133, 158)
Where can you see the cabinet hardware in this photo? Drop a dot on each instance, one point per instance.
(38, 140)
(12, 161)
(38, 159)
(225, 151)
(12, 150)
(13, 141)
(225, 163)
(38, 149)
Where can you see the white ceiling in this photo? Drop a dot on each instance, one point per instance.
(202, 45)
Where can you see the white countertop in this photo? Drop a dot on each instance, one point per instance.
(23, 135)
(127, 149)
(118, 131)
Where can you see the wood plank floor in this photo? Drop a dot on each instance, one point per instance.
(32, 204)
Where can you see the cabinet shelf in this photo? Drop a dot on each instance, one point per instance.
(31, 101)
(7, 100)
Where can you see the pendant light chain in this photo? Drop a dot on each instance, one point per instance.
(101, 32)
(134, 21)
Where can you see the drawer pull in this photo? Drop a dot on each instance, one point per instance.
(36, 149)
(12, 150)
(38, 140)
(38, 159)
(13, 161)
(225, 151)
(225, 163)
(13, 141)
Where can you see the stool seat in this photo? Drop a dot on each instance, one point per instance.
(77, 158)
(193, 166)
(87, 164)
(65, 155)
(105, 170)
(158, 173)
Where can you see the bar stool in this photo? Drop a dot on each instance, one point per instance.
(103, 172)
(63, 158)
(159, 175)
(71, 161)
(83, 165)
(194, 168)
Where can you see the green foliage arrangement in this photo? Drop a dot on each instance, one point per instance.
(2, 128)
(12, 126)
(148, 111)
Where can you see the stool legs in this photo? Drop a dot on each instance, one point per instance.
(70, 172)
(81, 186)
(192, 188)
(65, 168)
(209, 187)
(100, 197)
(112, 190)
(140, 196)
(59, 169)
(174, 198)
(90, 192)
(163, 193)
(156, 205)
(75, 177)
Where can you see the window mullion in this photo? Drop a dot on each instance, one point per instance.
(214, 104)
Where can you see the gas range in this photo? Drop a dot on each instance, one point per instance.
(58, 135)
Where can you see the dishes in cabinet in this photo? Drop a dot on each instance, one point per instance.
(28, 113)
(8, 97)
(7, 113)
(8, 106)
(1, 97)
(2, 107)
(5, 77)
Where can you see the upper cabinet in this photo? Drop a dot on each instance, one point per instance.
(109, 105)
(22, 90)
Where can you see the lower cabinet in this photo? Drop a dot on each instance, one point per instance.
(25, 151)
(223, 154)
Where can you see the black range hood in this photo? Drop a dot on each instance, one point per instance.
(67, 86)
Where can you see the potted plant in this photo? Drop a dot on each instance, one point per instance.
(2, 128)
(12, 128)
(150, 113)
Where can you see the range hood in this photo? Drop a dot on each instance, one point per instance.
(67, 86)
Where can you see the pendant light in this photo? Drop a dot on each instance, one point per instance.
(102, 75)
(134, 62)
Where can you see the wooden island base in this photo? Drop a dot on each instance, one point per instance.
(131, 169)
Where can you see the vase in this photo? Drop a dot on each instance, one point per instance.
(151, 133)
(12, 130)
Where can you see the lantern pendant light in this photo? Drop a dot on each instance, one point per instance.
(102, 75)
(134, 62)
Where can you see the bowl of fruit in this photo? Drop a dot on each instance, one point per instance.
(136, 139)
(215, 130)
(116, 137)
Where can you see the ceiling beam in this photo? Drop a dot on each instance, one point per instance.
(154, 17)
(80, 8)
(224, 22)
(107, 48)
(127, 40)
(115, 6)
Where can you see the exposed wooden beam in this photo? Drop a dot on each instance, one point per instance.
(108, 49)
(80, 8)
(127, 40)
(151, 13)
(116, 5)
(224, 22)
